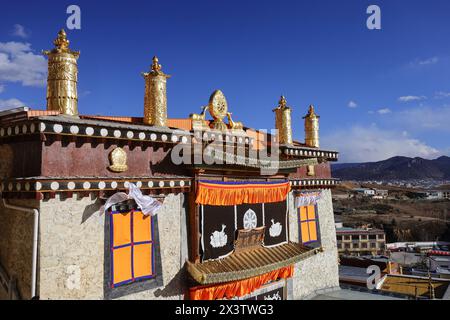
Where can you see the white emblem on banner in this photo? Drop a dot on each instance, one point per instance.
(250, 219)
(275, 229)
(275, 296)
(219, 238)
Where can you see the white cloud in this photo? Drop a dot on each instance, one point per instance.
(19, 31)
(441, 95)
(18, 63)
(425, 62)
(424, 118)
(370, 143)
(432, 60)
(411, 98)
(384, 111)
(2, 88)
(10, 104)
(352, 104)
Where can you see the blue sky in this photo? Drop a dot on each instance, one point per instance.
(379, 93)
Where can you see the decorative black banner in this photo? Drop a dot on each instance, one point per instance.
(275, 222)
(218, 231)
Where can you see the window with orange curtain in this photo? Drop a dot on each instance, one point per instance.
(309, 225)
(132, 246)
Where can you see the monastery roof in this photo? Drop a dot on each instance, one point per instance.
(347, 230)
(251, 263)
(409, 284)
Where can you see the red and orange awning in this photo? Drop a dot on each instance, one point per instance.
(239, 288)
(217, 193)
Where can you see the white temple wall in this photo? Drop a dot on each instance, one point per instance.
(16, 245)
(73, 244)
(318, 273)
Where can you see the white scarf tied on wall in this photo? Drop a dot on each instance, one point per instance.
(147, 204)
(307, 199)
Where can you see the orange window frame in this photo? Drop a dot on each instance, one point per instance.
(132, 247)
(308, 221)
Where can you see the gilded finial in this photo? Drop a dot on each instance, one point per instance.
(156, 67)
(283, 102)
(61, 45)
(61, 41)
(311, 113)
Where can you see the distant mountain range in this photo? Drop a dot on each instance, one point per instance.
(396, 168)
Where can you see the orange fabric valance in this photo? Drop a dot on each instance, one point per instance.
(234, 193)
(239, 288)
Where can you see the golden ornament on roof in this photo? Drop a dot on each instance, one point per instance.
(156, 67)
(234, 125)
(118, 158)
(311, 113)
(218, 108)
(283, 122)
(62, 77)
(61, 41)
(312, 128)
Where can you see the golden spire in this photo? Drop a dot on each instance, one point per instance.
(283, 102)
(61, 41)
(155, 97)
(62, 77)
(283, 121)
(312, 128)
(156, 67)
(311, 113)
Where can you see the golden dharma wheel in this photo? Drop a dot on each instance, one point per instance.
(218, 106)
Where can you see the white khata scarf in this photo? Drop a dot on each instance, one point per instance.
(147, 204)
(307, 198)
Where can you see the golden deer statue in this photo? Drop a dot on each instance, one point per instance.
(201, 116)
(198, 120)
(234, 125)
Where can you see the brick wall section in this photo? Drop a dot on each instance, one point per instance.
(63, 158)
(322, 171)
(19, 159)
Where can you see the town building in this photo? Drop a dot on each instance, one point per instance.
(108, 207)
(351, 241)
(381, 194)
(370, 192)
(338, 222)
(365, 192)
(446, 194)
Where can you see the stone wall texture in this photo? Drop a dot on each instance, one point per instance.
(319, 272)
(73, 261)
(72, 252)
(16, 244)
